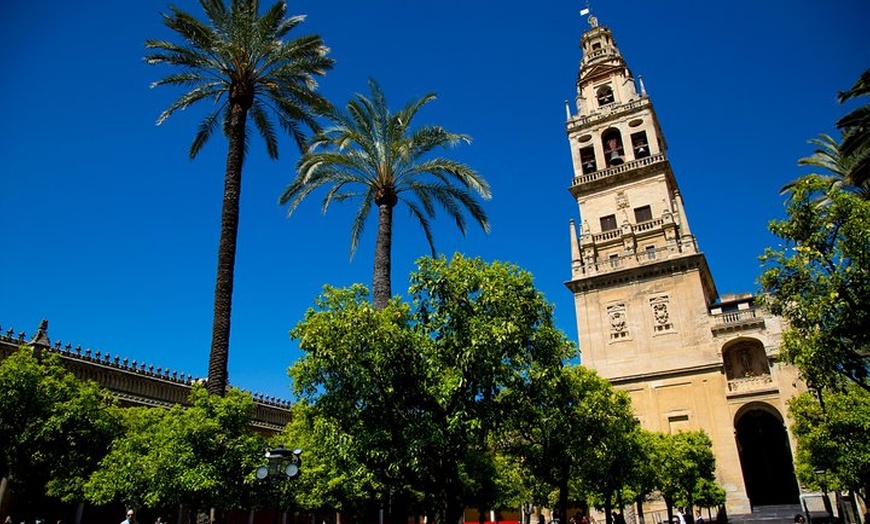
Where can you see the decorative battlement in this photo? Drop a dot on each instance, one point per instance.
(134, 382)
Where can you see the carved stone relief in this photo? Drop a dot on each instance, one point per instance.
(661, 314)
(618, 321)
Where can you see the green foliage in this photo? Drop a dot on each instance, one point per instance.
(54, 428)
(835, 437)
(682, 461)
(819, 281)
(202, 456)
(414, 392)
(571, 429)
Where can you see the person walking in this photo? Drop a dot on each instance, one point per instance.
(131, 517)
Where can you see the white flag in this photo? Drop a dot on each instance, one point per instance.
(584, 11)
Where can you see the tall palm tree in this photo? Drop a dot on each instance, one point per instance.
(372, 153)
(237, 60)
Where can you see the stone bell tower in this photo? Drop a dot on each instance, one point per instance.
(649, 316)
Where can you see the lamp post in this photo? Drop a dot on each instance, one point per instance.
(823, 481)
(283, 464)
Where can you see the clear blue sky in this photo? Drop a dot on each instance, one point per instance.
(110, 232)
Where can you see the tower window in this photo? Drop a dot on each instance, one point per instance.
(587, 160)
(608, 223)
(605, 95)
(640, 145)
(614, 260)
(650, 252)
(596, 45)
(642, 214)
(613, 151)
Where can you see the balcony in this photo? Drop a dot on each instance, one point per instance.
(615, 170)
(750, 384)
(738, 320)
(606, 112)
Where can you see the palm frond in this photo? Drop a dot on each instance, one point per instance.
(204, 132)
(267, 131)
(212, 90)
(359, 220)
(424, 223)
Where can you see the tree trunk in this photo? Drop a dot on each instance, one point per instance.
(223, 291)
(640, 517)
(383, 257)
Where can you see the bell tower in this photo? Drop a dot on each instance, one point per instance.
(635, 262)
(649, 317)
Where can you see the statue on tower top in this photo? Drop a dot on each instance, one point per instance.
(593, 21)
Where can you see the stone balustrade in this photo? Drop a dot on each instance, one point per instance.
(621, 168)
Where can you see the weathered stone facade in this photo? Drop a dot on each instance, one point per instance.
(649, 316)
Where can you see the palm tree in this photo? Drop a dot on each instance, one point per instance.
(238, 61)
(856, 134)
(828, 157)
(374, 154)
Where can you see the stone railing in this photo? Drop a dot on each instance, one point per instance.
(607, 52)
(743, 384)
(738, 320)
(615, 170)
(637, 259)
(607, 111)
(138, 383)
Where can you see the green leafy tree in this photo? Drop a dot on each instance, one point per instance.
(330, 478)
(203, 456)
(683, 460)
(376, 155)
(819, 282)
(834, 436)
(54, 428)
(244, 64)
(572, 428)
(421, 386)
(642, 482)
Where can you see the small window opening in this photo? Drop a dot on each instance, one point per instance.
(642, 214)
(596, 45)
(613, 151)
(608, 223)
(605, 95)
(650, 252)
(640, 145)
(614, 260)
(587, 160)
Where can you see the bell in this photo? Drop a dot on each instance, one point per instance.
(615, 159)
(641, 150)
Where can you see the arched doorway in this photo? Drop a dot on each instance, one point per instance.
(765, 457)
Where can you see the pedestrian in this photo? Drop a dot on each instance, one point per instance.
(131, 517)
(699, 519)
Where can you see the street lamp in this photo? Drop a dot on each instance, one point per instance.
(283, 462)
(823, 480)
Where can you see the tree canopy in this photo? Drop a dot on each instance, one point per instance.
(415, 390)
(54, 428)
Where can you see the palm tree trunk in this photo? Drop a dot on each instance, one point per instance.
(383, 257)
(223, 290)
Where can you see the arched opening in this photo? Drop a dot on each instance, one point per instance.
(614, 153)
(745, 358)
(765, 456)
(604, 95)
